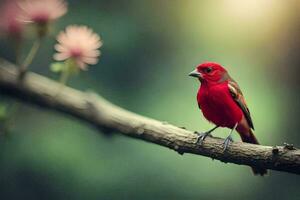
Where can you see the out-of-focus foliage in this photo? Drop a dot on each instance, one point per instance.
(149, 48)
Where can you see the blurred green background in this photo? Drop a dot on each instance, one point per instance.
(150, 46)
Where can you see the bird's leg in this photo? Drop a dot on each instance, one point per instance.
(229, 138)
(202, 136)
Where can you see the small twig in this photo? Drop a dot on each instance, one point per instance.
(289, 146)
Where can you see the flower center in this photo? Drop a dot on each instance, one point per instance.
(41, 18)
(76, 53)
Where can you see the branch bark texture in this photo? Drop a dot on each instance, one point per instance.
(94, 109)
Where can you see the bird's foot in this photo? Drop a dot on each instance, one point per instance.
(227, 141)
(202, 136)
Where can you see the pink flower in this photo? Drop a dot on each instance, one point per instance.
(9, 23)
(79, 43)
(42, 11)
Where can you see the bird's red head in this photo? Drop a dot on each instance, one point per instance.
(209, 72)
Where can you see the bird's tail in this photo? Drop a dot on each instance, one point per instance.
(250, 138)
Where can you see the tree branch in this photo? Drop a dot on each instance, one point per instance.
(99, 112)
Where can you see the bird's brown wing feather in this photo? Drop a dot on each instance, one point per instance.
(238, 97)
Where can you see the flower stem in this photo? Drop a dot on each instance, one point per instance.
(17, 46)
(32, 53)
(63, 79)
(65, 74)
(68, 70)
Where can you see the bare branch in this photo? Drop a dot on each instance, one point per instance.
(97, 111)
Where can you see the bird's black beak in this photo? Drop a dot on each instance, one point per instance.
(196, 74)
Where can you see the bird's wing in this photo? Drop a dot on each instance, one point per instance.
(238, 97)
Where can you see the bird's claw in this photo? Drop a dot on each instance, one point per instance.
(202, 136)
(227, 141)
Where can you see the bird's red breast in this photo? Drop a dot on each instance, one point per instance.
(218, 106)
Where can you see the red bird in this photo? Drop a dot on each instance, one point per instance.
(222, 103)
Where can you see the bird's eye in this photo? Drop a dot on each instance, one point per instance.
(207, 70)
